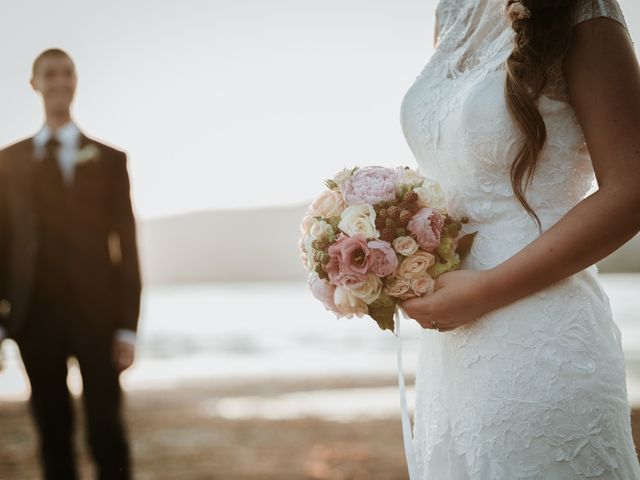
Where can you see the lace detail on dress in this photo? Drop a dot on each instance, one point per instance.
(585, 10)
(588, 9)
(534, 390)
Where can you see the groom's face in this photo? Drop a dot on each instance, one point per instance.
(55, 79)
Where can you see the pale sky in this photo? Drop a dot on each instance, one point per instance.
(234, 103)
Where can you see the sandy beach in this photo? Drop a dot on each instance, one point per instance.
(176, 433)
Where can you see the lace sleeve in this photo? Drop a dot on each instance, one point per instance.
(588, 9)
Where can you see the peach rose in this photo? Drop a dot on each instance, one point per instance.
(406, 246)
(329, 204)
(422, 284)
(396, 286)
(415, 265)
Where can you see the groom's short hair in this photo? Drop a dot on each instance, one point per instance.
(51, 52)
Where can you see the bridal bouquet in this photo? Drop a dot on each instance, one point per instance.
(377, 235)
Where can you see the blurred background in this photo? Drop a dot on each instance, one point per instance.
(232, 114)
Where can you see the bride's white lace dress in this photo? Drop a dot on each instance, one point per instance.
(536, 389)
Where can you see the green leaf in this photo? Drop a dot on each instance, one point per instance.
(464, 244)
(382, 311)
(331, 185)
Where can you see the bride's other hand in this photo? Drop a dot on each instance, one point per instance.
(458, 298)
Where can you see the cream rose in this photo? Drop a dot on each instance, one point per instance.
(430, 194)
(406, 246)
(370, 291)
(359, 220)
(329, 204)
(348, 304)
(415, 265)
(396, 287)
(409, 177)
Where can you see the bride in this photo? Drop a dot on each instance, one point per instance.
(521, 107)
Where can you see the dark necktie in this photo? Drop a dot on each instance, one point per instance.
(51, 148)
(50, 161)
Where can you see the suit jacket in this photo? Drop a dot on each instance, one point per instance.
(105, 270)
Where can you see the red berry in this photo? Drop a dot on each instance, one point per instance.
(405, 217)
(411, 197)
(388, 234)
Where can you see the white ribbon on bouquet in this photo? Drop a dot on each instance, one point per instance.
(412, 465)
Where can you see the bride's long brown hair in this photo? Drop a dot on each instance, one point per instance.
(543, 33)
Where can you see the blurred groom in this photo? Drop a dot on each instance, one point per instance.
(69, 276)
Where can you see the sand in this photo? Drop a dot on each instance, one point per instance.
(174, 438)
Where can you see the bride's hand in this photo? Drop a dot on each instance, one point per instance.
(459, 297)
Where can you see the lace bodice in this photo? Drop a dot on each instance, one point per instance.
(456, 122)
(534, 390)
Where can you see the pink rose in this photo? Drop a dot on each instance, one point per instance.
(323, 291)
(370, 185)
(384, 260)
(426, 226)
(349, 261)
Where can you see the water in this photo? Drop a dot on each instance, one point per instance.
(274, 330)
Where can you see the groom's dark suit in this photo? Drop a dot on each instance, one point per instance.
(69, 279)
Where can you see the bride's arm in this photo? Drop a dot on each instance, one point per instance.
(604, 82)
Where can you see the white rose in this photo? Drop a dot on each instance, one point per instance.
(431, 195)
(307, 251)
(348, 304)
(422, 284)
(409, 177)
(370, 291)
(88, 153)
(359, 220)
(321, 229)
(406, 246)
(329, 204)
(306, 224)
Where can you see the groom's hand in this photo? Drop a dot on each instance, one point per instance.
(123, 354)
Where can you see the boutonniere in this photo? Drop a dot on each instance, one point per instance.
(88, 153)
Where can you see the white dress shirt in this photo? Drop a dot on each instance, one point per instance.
(69, 137)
